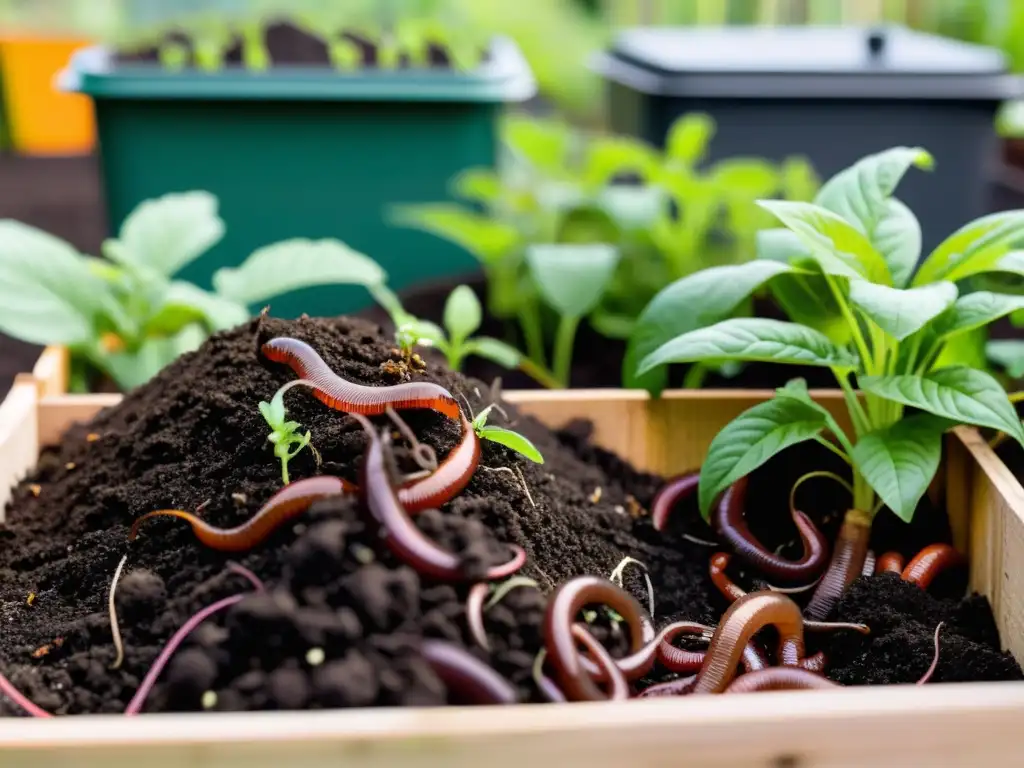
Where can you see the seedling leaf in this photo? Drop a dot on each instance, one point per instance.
(462, 314)
(902, 312)
(513, 440)
(572, 278)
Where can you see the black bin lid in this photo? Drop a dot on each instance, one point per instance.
(814, 62)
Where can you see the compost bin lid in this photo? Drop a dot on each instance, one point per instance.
(885, 62)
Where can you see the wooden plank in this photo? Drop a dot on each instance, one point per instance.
(19, 437)
(58, 413)
(51, 371)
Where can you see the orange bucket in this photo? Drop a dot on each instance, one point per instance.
(40, 119)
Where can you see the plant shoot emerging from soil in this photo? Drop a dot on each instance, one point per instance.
(284, 435)
(506, 437)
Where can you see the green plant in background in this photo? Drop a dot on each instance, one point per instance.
(559, 190)
(125, 315)
(845, 270)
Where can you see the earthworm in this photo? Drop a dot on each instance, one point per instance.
(680, 660)
(398, 530)
(475, 613)
(869, 564)
(890, 562)
(545, 684)
(287, 504)
(935, 659)
(732, 592)
(564, 605)
(678, 687)
(466, 677)
(343, 395)
(611, 674)
(670, 494)
(815, 663)
(19, 698)
(780, 679)
(929, 563)
(449, 479)
(728, 522)
(638, 664)
(846, 564)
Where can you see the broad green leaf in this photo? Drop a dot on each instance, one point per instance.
(897, 236)
(753, 437)
(754, 339)
(632, 207)
(185, 303)
(1007, 354)
(133, 370)
(965, 395)
(610, 156)
(462, 314)
(513, 440)
(901, 312)
(976, 310)
(797, 179)
(612, 324)
(572, 277)
(745, 178)
(545, 144)
(900, 461)
(693, 302)
(481, 185)
(48, 292)
(170, 232)
(688, 138)
(495, 350)
(587, 224)
(967, 348)
(484, 238)
(797, 389)
(838, 246)
(975, 248)
(292, 264)
(861, 192)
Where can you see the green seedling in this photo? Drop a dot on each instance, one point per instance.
(284, 435)
(506, 437)
(846, 270)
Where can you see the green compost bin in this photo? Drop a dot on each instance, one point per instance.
(301, 152)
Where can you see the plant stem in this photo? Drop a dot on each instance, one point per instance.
(834, 448)
(694, 378)
(851, 320)
(541, 375)
(564, 338)
(284, 470)
(861, 423)
(533, 335)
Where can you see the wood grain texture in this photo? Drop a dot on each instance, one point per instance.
(19, 436)
(51, 371)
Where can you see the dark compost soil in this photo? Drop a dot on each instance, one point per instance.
(193, 436)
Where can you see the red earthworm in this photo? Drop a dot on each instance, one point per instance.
(466, 677)
(815, 663)
(447, 480)
(890, 562)
(287, 504)
(638, 664)
(670, 494)
(343, 395)
(19, 698)
(398, 530)
(732, 592)
(564, 605)
(780, 679)
(678, 687)
(869, 564)
(475, 613)
(680, 660)
(930, 562)
(935, 659)
(611, 675)
(846, 564)
(728, 522)
(550, 690)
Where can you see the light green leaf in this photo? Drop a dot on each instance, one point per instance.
(975, 248)
(481, 185)
(693, 302)
(423, 332)
(838, 246)
(495, 350)
(612, 324)
(965, 395)
(897, 236)
(609, 156)
(901, 312)
(1007, 354)
(513, 440)
(976, 310)
(572, 278)
(632, 207)
(543, 143)
(170, 232)
(292, 264)
(751, 338)
(486, 239)
(745, 178)
(753, 437)
(390, 302)
(688, 138)
(185, 303)
(797, 389)
(462, 314)
(48, 292)
(133, 370)
(899, 462)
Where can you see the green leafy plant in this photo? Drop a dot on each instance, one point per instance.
(507, 437)
(126, 316)
(284, 435)
(845, 269)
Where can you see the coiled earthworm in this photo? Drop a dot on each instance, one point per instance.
(780, 679)
(400, 533)
(670, 494)
(732, 592)
(343, 395)
(564, 605)
(287, 504)
(449, 479)
(846, 565)
(610, 673)
(890, 562)
(467, 679)
(935, 659)
(659, 648)
(680, 660)
(678, 687)
(930, 562)
(728, 522)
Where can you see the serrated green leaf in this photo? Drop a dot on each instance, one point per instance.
(688, 138)
(752, 339)
(976, 310)
(964, 395)
(168, 233)
(753, 437)
(495, 350)
(901, 312)
(975, 248)
(293, 264)
(897, 236)
(1007, 354)
(462, 314)
(572, 278)
(513, 440)
(693, 302)
(486, 239)
(900, 461)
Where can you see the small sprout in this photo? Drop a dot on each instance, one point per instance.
(35, 489)
(31, 599)
(284, 434)
(621, 568)
(596, 495)
(502, 590)
(209, 700)
(506, 437)
(315, 657)
(362, 554)
(516, 475)
(115, 629)
(239, 498)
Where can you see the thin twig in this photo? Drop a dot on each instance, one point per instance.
(621, 568)
(702, 542)
(516, 474)
(795, 590)
(507, 586)
(115, 630)
(422, 453)
(526, 488)
(12, 693)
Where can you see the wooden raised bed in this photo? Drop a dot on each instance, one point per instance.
(952, 725)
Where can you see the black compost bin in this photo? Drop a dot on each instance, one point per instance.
(833, 94)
